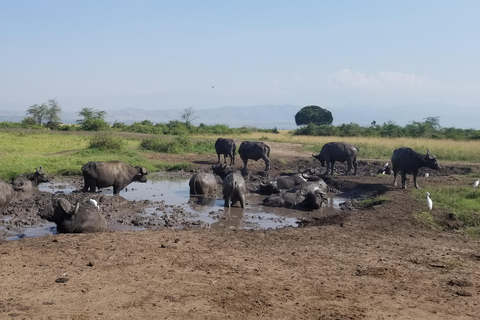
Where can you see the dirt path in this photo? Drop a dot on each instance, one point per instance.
(361, 264)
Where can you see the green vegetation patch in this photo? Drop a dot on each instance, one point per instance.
(462, 204)
(371, 202)
(177, 145)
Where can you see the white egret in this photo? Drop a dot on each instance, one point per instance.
(429, 201)
(475, 184)
(426, 174)
(94, 203)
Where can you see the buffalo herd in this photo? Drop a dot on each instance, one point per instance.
(305, 190)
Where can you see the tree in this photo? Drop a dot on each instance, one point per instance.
(187, 115)
(313, 114)
(93, 119)
(38, 112)
(53, 111)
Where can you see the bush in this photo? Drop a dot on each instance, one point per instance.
(106, 141)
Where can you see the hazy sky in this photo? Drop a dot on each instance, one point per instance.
(177, 54)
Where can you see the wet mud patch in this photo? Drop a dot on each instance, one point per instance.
(163, 202)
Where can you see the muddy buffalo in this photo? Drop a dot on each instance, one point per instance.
(255, 151)
(409, 161)
(226, 147)
(203, 184)
(99, 174)
(29, 182)
(286, 182)
(233, 185)
(6, 193)
(309, 195)
(338, 151)
(76, 219)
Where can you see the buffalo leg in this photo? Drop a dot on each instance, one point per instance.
(415, 174)
(349, 167)
(218, 154)
(404, 180)
(332, 163)
(355, 167)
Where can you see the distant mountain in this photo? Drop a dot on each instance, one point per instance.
(283, 116)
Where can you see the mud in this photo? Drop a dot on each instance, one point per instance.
(358, 263)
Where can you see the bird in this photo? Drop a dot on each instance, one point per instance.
(426, 174)
(429, 201)
(94, 203)
(475, 184)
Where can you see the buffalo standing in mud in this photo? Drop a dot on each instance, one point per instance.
(306, 196)
(408, 161)
(255, 151)
(76, 219)
(100, 174)
(233, 185)
(29, 182)
(338, 151)
(226, 147)
(6, 193)
(203, 184)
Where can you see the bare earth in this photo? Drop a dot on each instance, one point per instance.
(374, 263)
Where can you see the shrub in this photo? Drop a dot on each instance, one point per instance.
(106, 141)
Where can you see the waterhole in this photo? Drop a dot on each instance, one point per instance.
(209, 212)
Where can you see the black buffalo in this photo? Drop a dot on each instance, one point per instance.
(255, 151)
(99, 174)
(409, 161)
(233, 185)
(338, 151)
(309, 195)
(226, 147)
(6, 193)
(76, 219)
(29, 182)
(203, 184)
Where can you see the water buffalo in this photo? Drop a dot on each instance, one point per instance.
(338, 151)
(29, 182)
(203, 184)
(100, 174)
(409, 161)
(226, 147)
(6, 193)
(233, 185)
(255, 151)
(306, 196)
(282, 183)
(76, 219)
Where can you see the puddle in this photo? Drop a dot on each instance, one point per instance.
(199, 210)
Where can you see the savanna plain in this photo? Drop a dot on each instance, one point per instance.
(384, 255)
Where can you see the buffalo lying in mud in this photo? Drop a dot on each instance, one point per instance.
(338, 151)
(287, 181)
(409, 161)
(203, 184)
(255, 151)
(233, 185)
(29, 182)
(6, 193)
(226, 147)
(309, 195)
(99, 174)
(76, 219)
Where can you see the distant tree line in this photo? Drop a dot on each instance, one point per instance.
(313, 121)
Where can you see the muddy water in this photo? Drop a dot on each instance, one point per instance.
(209, 211)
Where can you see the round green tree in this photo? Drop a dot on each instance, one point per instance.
(313, 114)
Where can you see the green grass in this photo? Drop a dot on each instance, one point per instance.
(368, 203)
(461, 202)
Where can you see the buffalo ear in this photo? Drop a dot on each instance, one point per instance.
(66, 206)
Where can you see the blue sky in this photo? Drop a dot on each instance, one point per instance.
(208, 54)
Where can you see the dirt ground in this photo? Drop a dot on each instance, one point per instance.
(362, 263)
